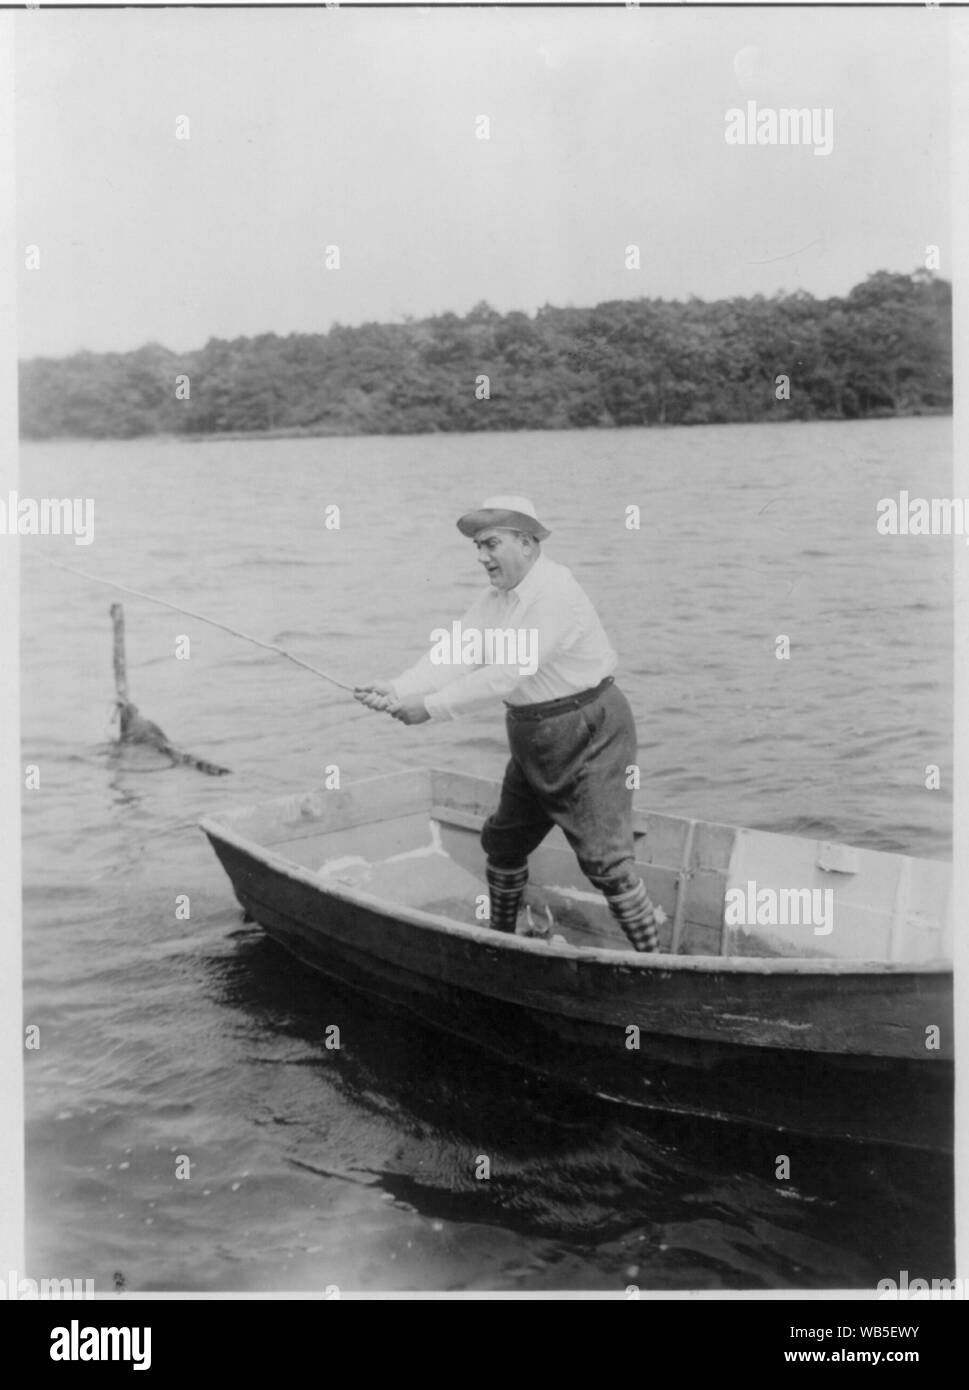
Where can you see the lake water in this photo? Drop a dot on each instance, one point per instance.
(164, 1037)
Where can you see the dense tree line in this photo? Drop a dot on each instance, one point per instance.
(884, 349)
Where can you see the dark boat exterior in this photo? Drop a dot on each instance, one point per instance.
(839, 1032)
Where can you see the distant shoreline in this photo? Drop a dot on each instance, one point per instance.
(237, 436)
(882, 350)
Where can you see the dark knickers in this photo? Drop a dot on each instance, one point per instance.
(570, 769)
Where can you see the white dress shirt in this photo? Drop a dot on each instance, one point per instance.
(573, 651)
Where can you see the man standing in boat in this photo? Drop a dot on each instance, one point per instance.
(570, 728)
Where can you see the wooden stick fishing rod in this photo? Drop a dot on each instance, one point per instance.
(199, 617)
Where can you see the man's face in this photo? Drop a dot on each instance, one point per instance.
(506, 556)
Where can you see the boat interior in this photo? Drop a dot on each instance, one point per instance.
(410, 840)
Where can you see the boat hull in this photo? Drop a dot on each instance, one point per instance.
(839, 1055)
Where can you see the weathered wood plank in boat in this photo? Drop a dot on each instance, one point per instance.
(864, 903)
(406, 832)
(375, 799)
(460, 790)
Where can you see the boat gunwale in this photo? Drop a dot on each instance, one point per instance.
(648, 962)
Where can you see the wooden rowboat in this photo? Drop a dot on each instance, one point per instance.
(842, 1030)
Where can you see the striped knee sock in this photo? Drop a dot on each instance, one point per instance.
(505, 889)
(637, 916)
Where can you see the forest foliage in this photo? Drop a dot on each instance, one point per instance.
(883, 349)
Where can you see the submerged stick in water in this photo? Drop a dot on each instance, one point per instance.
(134, 728)
(120, 666)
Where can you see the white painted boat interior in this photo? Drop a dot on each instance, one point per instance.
(411, 840)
